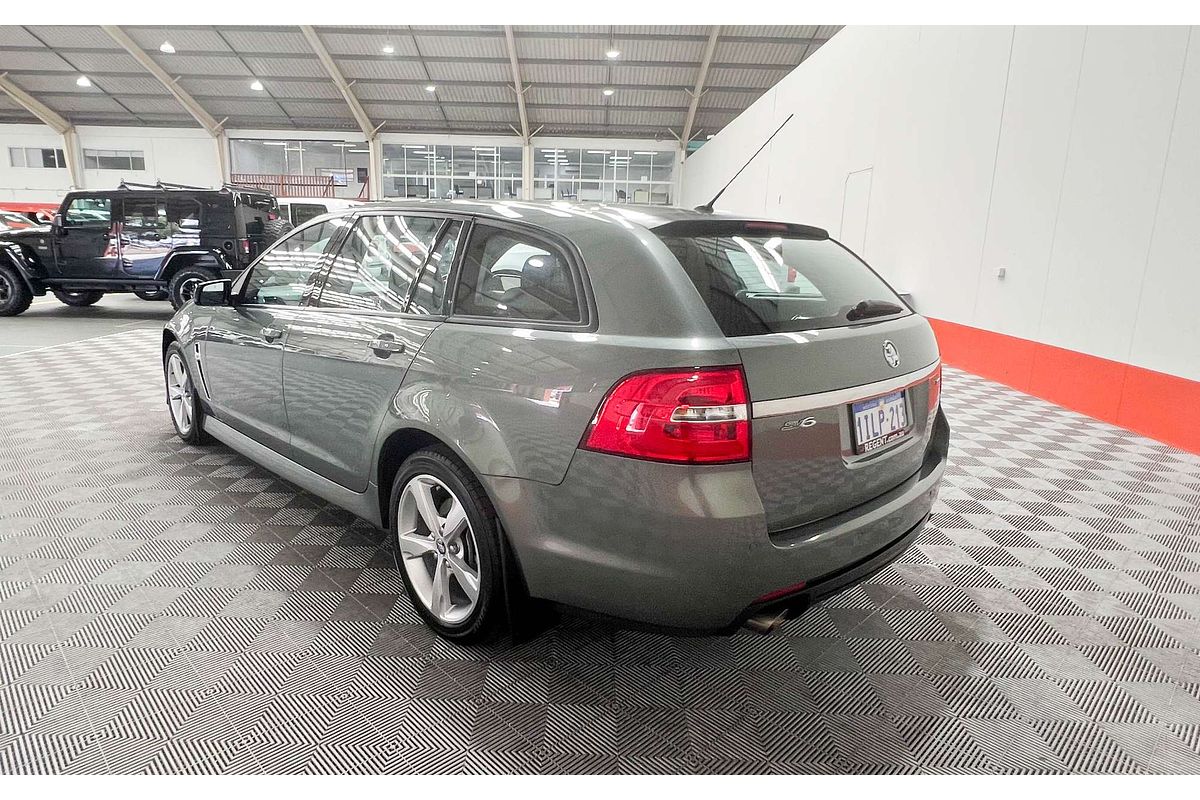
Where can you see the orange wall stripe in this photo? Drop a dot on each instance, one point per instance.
(1155, 404)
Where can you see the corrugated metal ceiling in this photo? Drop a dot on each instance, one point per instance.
(564, 68)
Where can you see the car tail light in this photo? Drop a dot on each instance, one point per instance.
(245, 246)
(696, 416)
(935, 388)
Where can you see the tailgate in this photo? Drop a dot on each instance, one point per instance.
(810, 458)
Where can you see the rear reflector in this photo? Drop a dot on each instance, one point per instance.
(780, 593)
(696, 416)
(935, 388)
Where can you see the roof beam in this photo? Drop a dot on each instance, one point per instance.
(360, 115)
(56, 121)
(34, 106)
(206, 120)
(518, 86)
(701, 78)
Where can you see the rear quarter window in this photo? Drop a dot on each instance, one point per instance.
(515, 275)
(755, 281)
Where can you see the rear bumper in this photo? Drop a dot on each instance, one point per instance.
(685, 548)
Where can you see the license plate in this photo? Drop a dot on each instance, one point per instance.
(878, 421)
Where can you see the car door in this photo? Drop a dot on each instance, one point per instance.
(242, 362)
(87, 244)
(346, 358)
(145, 234)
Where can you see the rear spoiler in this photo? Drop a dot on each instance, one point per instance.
(735, 227)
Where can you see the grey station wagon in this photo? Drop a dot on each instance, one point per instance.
(686, 420)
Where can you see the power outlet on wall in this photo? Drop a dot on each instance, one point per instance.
(1001, 272)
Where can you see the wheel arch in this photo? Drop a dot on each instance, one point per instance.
(12, 255)
(179, 259)
(398, 445)
(167, 338)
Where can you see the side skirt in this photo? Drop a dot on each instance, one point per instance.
(364, 505)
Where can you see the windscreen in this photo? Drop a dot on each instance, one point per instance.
(760, 278)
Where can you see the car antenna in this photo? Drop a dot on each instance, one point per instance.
(707, 208)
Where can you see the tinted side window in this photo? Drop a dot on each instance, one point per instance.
(280, 276)
(144, 214)
(303, 212)
(430, 295)
(89, 211)
(376, 266)
(513, 275)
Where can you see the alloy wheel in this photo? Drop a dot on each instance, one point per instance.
(438, 549)
(188, 288)
(179, 393)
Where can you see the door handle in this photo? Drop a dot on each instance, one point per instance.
(386, 345)
(271, 334)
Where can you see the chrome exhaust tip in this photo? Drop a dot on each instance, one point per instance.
(766, 623)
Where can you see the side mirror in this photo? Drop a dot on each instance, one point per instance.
(56, 222)
(213, 293)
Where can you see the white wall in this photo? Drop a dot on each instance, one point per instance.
(1068, 156)
(172, 154)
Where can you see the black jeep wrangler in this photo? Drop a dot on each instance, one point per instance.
(157, 241)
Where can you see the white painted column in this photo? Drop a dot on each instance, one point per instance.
(375, 170)
(221, 142)
(527, 170)
(74, 154)
(677, 176)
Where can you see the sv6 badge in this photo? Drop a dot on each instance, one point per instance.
(793, 424)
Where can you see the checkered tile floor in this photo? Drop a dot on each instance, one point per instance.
(165, 608)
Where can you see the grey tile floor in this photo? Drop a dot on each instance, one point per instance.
(165, 609)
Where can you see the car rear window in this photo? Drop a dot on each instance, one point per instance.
(760, 278)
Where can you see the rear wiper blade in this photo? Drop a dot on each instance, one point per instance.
(872, 308)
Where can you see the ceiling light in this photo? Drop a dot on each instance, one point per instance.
(276, 144)
(414, 147)
(614, 53)
(84, 81)
(359, 151)
(644, 153)
(389, 49)
(598, 152)
(166, 47)
(257, 86)
(609, 91)
(430, 87)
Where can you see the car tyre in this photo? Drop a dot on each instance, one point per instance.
(439, 567)
(187, 413)
(151, 294)
(78, 299)
(184, 282)
(15, 296)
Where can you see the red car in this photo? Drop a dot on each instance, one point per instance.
(12, 221)
(39, 213)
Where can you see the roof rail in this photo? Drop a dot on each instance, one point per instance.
(163, 185)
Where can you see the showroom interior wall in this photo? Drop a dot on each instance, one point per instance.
(1066, 157)
(181, 155)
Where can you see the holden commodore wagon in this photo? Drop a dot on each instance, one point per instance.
(683, 419)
